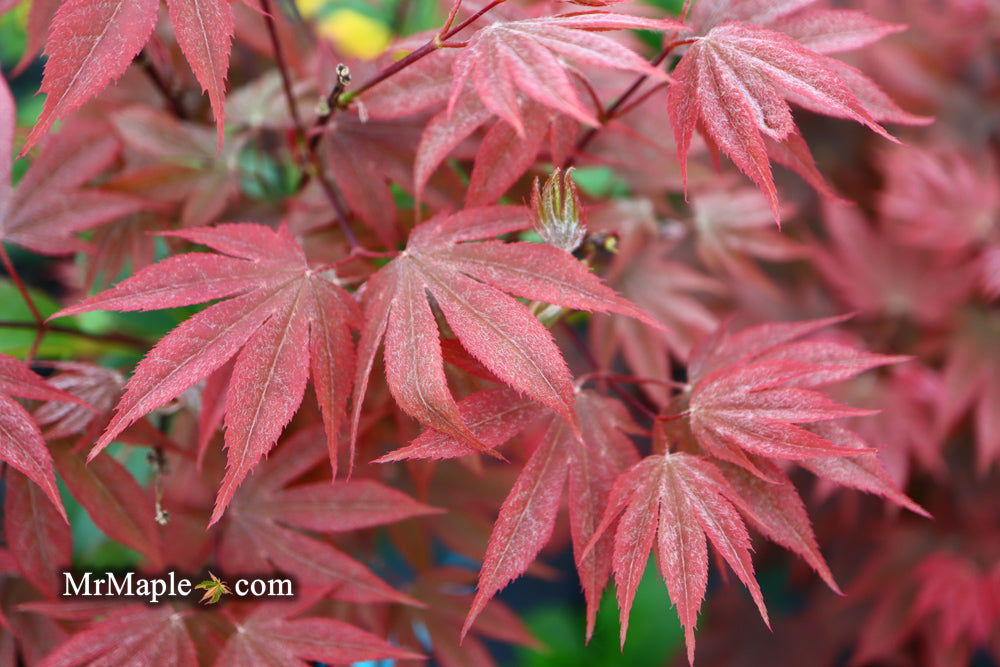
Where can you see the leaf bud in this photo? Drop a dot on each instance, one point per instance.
(556, 213)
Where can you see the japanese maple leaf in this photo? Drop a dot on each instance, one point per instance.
(129, 634)
(21, 443)
(494, 415)
(114, 500)
(942, 597)
(863, 471)
(468, 282)
(49, 203)
(99, 387)
(910, 398)
(281, 308)
(90, 44)
(732, 227)
(673, 292)
(585, 468)
(821, 30)
(368, 146)
(545, 130)
(940, 198)
(270, 636)
(36, 28)
(873, 273)
(733, 83)
(262, 531)
(776, 510)
(591, 468)
(178, 161)
(972, 383)
(426, 86)
(442, 590)
(676, 500)
(39, 541)
(508, 58)
(751, 391)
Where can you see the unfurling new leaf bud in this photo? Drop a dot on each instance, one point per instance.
(556, 213)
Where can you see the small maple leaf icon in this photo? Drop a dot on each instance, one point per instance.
(215, 588)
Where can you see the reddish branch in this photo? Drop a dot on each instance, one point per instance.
(162, 85)
(618, 108)
(315, 163)
(446, 33)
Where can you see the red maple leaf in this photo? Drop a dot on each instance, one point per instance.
(677, 500)
(443, 591)
(647, 271)
(269, 636)
(468, 282)
(21, 443)
(177, 161)
(263, 530)
(91, 44)
(114, 500)
(50, 202)
(128, 634)
(510, 58)
(972, 383)
(875, 274)
(733, 83)
(750, 391)
(282, 306)
(38, 538)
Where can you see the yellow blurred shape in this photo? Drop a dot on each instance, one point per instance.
(353, 32)
(309, 8)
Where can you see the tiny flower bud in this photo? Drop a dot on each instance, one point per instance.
(556, 213)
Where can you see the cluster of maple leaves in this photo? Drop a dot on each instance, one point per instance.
(407, 346)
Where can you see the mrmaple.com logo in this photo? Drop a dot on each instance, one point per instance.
(170, 586)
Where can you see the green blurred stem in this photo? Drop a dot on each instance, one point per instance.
(21, 287)
(121, 339)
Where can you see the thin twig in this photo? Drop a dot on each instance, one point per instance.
(330, 107)
(584, 350)
(414, 56)
(312, 155)
(632, 379)
(279, 59)
(612, 111)
(40, 323)
(161, 84)
(400, 15)
(123, 339)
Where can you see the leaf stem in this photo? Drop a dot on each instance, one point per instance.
(162, 85)
(279, 59)
(428, 48)
(15, 277)
(123, 339)
(616, 107)
(617, 388)
(316, 164)
(632, 379)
